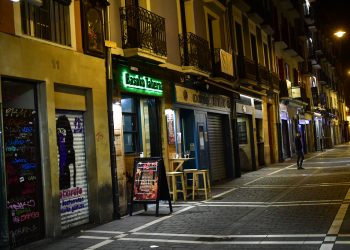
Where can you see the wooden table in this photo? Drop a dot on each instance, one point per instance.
(179, 162)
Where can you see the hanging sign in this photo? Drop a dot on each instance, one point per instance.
(141, 84)
(198, 98)
(170, 126)
(149, 183)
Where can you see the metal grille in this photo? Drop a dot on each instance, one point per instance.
(216, 147)
(143, 29)
(74, 202)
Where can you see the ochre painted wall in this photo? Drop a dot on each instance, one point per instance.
(50, 66)
(6, 17)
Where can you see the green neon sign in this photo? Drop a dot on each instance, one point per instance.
(141, 84)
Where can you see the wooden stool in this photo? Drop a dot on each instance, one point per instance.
(172, 178)
(186, 173)
(206, 182)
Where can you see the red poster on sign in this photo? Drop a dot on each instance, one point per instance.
(146, 181)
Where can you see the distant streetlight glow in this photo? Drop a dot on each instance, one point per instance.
(339, 33)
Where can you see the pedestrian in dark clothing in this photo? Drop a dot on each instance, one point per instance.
(299, 149)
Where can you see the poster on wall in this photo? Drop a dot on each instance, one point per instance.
(74, 205)
(149, 183)
(23, 176)
(170, 127)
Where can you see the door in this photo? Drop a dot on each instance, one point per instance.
(244, 141)
(285, 139)
(22, 163)
(202, 154)
(217, 147)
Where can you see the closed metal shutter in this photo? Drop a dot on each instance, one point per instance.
(216, 147)
(74, 202)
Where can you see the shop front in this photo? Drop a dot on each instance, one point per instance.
(137, 119)
(203, 131)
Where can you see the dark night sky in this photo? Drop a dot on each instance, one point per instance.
(333, 15)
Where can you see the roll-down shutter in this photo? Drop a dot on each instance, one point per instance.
(74, 203)
(216, 147)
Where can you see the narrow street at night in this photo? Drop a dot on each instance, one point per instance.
(277, 207)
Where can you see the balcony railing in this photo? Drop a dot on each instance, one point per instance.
(264, 75)
(274, 80)
(194, 51)
(283, 89)
(247, 68)
(143, 29)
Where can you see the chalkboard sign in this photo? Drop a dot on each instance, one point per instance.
(149, 183)
(23, 172)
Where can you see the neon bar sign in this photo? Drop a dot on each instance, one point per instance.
(141, 84)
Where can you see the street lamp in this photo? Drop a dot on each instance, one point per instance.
(340, 33)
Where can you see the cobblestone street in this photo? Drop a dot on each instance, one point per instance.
(276, 207)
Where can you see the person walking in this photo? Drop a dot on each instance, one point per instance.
(299, 149)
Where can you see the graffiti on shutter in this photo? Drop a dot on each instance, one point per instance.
(74, 203)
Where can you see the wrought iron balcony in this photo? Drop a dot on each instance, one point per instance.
(247, 68)
(143, 29)
(274, 81)
(283, 89)
(264, 75)
(194, 51)
(222, 59)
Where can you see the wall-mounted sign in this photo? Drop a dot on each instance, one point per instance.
(244, 109)
(226, 62)
(141, 84)
(170, 125)
(199, 98)
(296, 92)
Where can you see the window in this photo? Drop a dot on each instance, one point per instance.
(137, 125)
(254, 48)
(47, 20)
(266, 56)
(239, 39)
(130, 125)
(242, 133)
(258, 104)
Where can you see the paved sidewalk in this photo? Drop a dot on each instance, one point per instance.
(276, 207)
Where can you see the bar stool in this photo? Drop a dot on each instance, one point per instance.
(188, 172)
(172, 180)
(206, 182)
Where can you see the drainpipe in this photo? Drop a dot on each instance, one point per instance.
(184, 32)
(235, 144)
(109, 87)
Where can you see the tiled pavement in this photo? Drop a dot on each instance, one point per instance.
(276, 207)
